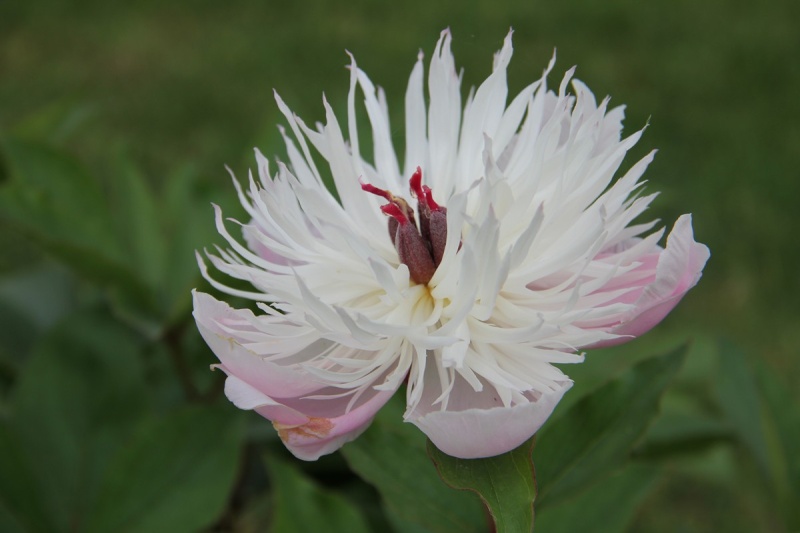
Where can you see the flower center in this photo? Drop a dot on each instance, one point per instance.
(420, 249)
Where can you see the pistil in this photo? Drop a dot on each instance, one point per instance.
(421, 250)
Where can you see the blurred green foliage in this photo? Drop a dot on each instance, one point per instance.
(115, 122)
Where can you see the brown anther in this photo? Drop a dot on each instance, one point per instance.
(413, 252)
(437, 228)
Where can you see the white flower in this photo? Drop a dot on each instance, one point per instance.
(525, 254)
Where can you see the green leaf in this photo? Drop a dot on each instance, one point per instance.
(17, 333)
(52, 200)
(506, 483)
(30, 301)
(782, 435)
(301, 505)
(9, 524)
(53, 194)
(607, 507)
(85, 453)
(53, 122)
(72, 407)
(391, 456)
(21, 506)
(740, 401)
(42, 293)
(175, 474)
(189, 222)
(679, 434)
(138, 220)
(595, 436)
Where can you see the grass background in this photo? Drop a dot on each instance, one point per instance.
(190, 86)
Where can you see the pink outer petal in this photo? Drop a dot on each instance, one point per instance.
(308, 427)
(475, 433)
(246, 397)
(307, 437)
(679, 268)
(321, 436)
(276, 380)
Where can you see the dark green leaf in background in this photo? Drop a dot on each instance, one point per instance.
(21, 505)
(595, 436)
(135, 213)
(782, 437)
(679, 434)
(52, 200)
(690, 423)
(391, 456)
(72, 407)
(174, 474)
(137, 221)
(300, 505)
(134, 241)
(607, 507)
(506, 483)
(54, 122)
(83, 448)
(52, 195)
(740, 401)
(188, 223)
(41, 293)
(17, 334)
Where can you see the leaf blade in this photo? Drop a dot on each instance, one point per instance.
(301, 505)
(607, 507)
(391, 456)
(740, 401)
(506, 483)
(596, 435)
(168, 478)
(81, 385)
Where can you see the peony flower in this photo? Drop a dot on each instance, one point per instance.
(501, 247)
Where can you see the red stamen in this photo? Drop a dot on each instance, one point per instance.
(415, 183)
(420, 249)
(394, 211)
(368, 187)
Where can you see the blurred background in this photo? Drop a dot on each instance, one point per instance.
(116, 121)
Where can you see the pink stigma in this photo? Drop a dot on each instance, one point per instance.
(415, 183)
(432, 205)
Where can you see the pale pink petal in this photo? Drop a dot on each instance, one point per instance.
(311, 417)
(309, 428)
(679, 268)
(476, 433)
(272, 379)
(320, 436)
(489, 428)
(308, 437)
(247, 397)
